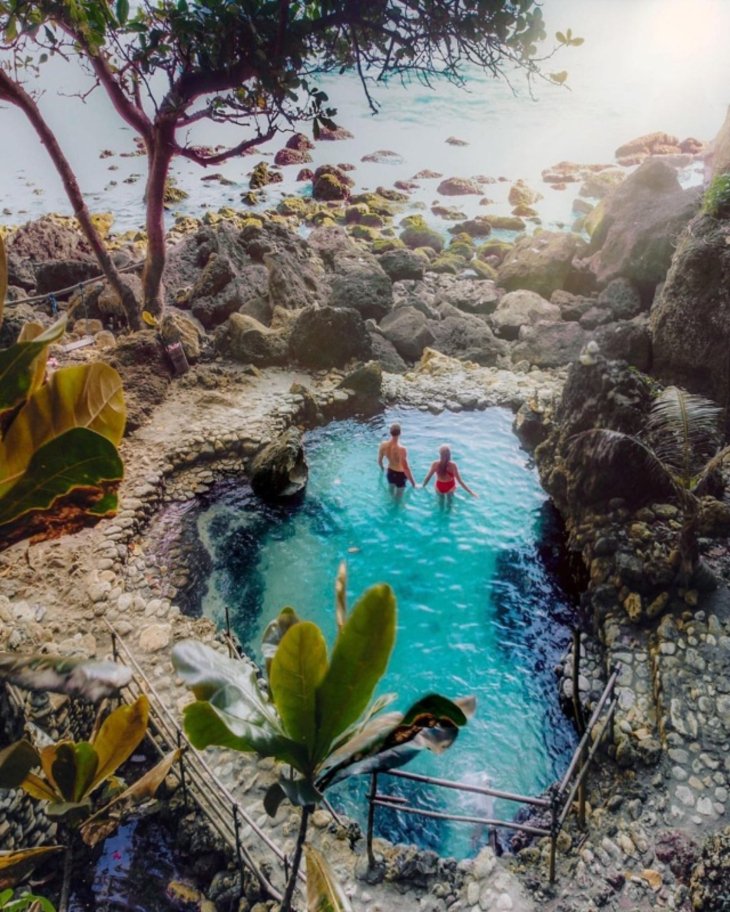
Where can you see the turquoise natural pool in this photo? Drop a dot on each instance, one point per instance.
(479, 610)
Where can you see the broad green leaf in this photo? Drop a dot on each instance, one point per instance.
(297, 669)
(324, 893)
(76, 677)
(16, 362)
(207, 726)
(16, 761)
(80, 459)
(359, 660)
(207, 672)
(105, 821)
(435, 706)
(38, 788)
(28, 333)
(275, 630)
(86, 396)
(301, 792)
(18, 863)
(122, 9)
(118, 738)
(273, 797)
(71, 767)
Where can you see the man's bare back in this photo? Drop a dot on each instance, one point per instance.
(398, 469)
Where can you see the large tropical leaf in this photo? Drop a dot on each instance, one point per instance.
(324, 893)
(73, 767)
(16, 365)
(683, 430)
(87, 396)
(105, 821)
(297, 669)
(359, 659)
(699, 488)
(206, 725)
(118, 738)
(275, 630)
(79, 460)
(76, 677)
(28, 333)
(16, 864)
(16, 761)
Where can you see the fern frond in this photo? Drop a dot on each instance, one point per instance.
(701, 482)
(683, 432)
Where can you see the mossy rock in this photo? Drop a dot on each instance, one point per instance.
(173, 194)
(413, 221)
(374, 220)
(448, 263)
(385, 244)
(263, 175)
(494, 248)
(416, 236)
(293, 205)
(376, 203)
(362, 232)
(355, 213)
(322, 218)
(250, 221)
(594, 218)
(428, 252)
(460, 249)
(251, 198)
(103, 222)
(505, 222)
(483, 270)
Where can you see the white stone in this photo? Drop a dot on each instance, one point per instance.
(154, 637)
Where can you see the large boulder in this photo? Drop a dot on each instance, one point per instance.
(244, 339)
(247, 292)
(366, 382)
(401, 264)
(466, 336)
(280, 469)
(54, 275)
(621, 299)
(324, 337)
(521, 308)
(48, 238)
(639, 225)
(626, 340)
(690, 318)
(550, 344)
(176, 326)
(331, 183)
(542, 263)
(408, 331)
(361, 283)
(108, 301)
(386, 354)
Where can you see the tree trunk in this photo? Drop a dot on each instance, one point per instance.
(160, 155)
(296, 861)
(16, 95)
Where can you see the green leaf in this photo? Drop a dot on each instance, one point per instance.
(301, 792)
(273, 797)
(118, 738)
(324, 893)
(16, 362)
(86, 396)
(559, 36)
(80, 458)
(359, 659)
(297, 669)
(16, 761)
(560, 77)
(122, 9)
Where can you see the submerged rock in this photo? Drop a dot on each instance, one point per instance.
(280, 469)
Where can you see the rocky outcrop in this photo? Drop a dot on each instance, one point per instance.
(48, 238)
(331, 183)
(407, 329)
(324, 337)
(542, 263)
(690, 318)
(361, 283)
(521, 308)
(247, 341)
(403, 264)
(280, 469)
(720, 150)
(247, 292)
(466, 336)
(639, 225)
(53, 275)
(626, 340)
(545, 344)
(146, 373)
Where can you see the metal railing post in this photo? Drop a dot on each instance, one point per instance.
(371, 817)
(115, 652)
(577, 708)
(237, 832)
(554, 831)
(582, 790)
(183, 784)
(228, 634)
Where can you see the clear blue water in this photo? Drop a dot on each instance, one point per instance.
(478, 611)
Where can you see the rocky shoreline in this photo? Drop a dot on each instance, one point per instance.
(283, 331)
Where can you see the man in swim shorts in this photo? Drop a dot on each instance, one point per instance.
(398, 470)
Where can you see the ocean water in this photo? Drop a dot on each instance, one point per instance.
(479, 612)
(645, 65)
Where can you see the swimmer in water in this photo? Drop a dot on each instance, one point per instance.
(447, 474)
(397, 457)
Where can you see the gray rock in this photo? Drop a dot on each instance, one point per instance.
(323, 337)
(621, 298)
(386, 354)
(550, 344)
(361, 283)
(542, 263)
(466, 336)
(407, 329)
(521, 308)
(628, 340)
(280, 468)
(246, 340)
(403, 264)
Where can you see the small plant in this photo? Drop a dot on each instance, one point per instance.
(314, 714)
(24, 902)
(716, 201)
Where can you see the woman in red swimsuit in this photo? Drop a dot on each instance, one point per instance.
(447, 474)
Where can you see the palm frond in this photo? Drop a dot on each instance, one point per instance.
(683, 431)
(701, 483)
